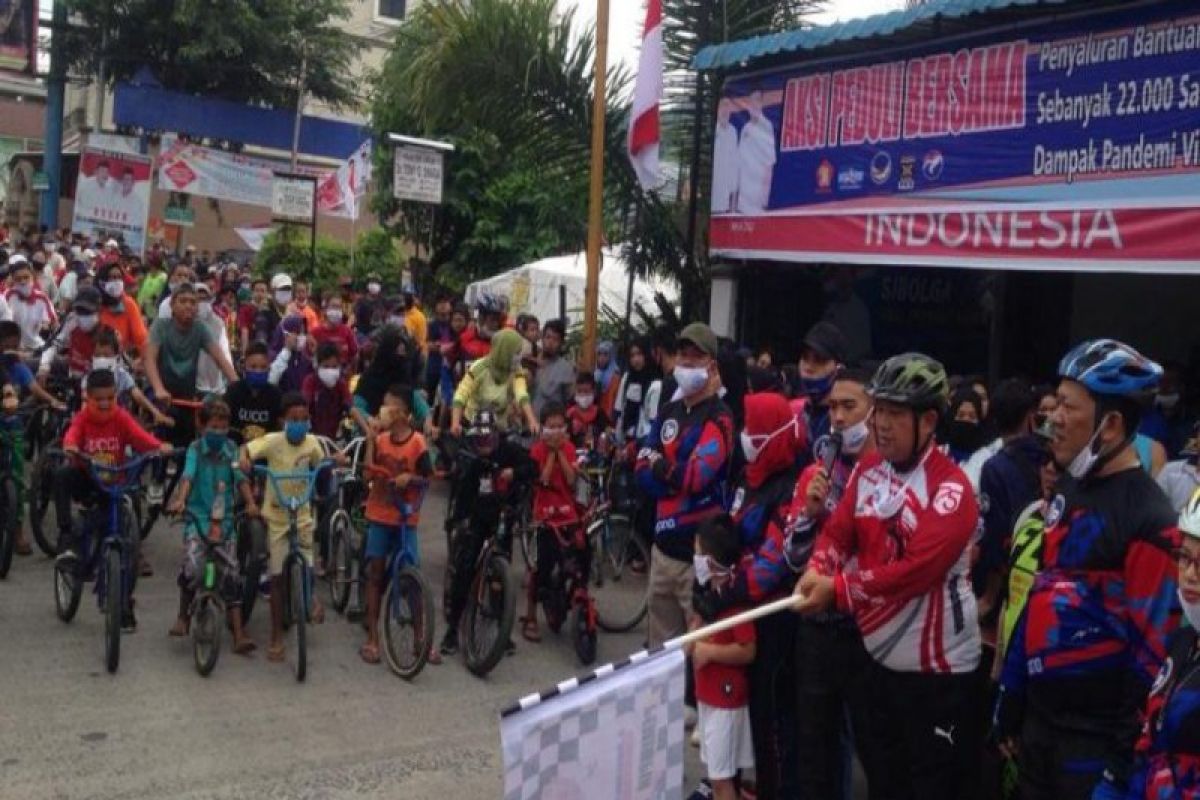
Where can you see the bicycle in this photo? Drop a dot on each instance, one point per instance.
(564, 588)
(339, 518)
(207, 610)
(12, 482)
(620, 577)
(46, 429)
(154, 505)
(297, 583)
(407, 601)
(109, 560)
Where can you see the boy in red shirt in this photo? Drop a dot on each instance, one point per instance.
(553, 501)
(327, 392)
(585, 416)
(721, 666)
(101, 431)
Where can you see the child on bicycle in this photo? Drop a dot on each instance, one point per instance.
(721, 666)
(327, 392)
(101, 431)
(587, 420)
(106, 355)
(206, 491)
(553, 502)
(253, 400)
(402, 453)
(293, 449)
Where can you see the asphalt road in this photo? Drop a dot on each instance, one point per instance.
(156, 729)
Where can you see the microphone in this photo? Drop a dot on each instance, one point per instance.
(827, 450)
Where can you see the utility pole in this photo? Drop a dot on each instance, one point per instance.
(55, 89)
(299, 104)
(587, 358)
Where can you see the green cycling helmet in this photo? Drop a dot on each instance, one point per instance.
(914, 380)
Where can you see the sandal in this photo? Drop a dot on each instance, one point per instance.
(435, 656)
(244, 647)
(529, 629)
(317, 615)
(275, 653)
(369, 653)
(179, 629)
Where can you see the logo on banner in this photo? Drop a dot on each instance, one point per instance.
(850, 179)
(908, 173)
(933, 165)
(180, 174)
(824, 175)
(881, 168)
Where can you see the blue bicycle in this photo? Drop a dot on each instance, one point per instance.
(297, 574)
(107, 551)
(407, 610)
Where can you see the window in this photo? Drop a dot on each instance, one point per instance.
(390, 10)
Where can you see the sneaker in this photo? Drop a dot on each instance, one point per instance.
(690, 717)
(449, 642)
(510, 649)
(68, 556)
(128, 621)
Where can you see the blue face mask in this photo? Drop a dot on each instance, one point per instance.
(256, 379)
(817, 387)
(296, 431)
(216, 439)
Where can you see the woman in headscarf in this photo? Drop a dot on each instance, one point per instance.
(291, 359)
(495, 382)
(964, 433)
(608, 377)
(634, 385)
(393, 361)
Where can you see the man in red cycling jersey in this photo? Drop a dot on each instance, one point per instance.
(894, 554)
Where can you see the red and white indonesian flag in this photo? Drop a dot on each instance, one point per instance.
(341, 190)
(644, 131)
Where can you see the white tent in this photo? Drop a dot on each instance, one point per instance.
(535, 288)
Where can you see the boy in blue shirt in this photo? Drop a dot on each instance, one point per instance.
(206, 490)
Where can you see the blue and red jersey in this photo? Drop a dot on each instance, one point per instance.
(685, 467)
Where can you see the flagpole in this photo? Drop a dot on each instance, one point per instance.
(587, 358)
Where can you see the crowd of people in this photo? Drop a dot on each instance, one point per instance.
(987, 579)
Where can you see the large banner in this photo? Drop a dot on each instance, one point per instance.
(207, 172)
(1071, 145)
(18, 35)
(112, 197)
(618, 736)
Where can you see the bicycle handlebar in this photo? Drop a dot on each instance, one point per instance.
(295, 502)
(102, 473)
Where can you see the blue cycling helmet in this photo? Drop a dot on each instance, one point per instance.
(1110, 368)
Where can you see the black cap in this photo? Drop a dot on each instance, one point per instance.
(827, 340)
(88, 299)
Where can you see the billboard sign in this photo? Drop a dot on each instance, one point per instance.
(18, 36)
(112, 197)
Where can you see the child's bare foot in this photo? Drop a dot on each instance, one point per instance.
(275, 652)
(179, 629)
(244, 646)
(317, 614)
(369, 652)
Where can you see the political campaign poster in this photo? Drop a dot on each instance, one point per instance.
(1072, 144)
(18, 35)
(112, 196)
(618, 736)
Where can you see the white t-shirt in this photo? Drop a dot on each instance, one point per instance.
(756, 162)
(1179, 481)
(725, 168)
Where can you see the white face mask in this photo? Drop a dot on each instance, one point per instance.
(24, 289)
(753, 444)
(301, 342)
(1190, 610)
(584, 400)
(890, 500)
(374, 288)
(104, 362)
(1086, 459)
(1167, 402)
(114, 288)
(705, 571)
(397, 320)
(550, 433)
(334, 315)
(87, 322)
(691, 380)
(205, 309)
(329, 376)
(854, 437)
(283, 296)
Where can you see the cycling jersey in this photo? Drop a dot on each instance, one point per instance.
(1025, 561)
(897, 549)
(1099, 613)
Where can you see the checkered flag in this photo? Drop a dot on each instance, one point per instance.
(615, 734)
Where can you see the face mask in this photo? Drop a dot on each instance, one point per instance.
(854, 437)
(24, 289)
(334, 315)
(216, 439)
(551, 433)
(97, 413)
(173, 285)
(396, 320)
(296, 430)
(205, 309)
(374, 288)
(705, 571)
(817, 387)
(1190, 610)
(87, 322)
(1086, 459)
(753, 444)
(244, 294)
(256, 378)
(114, 288)
(691, 380)
(283, 296)
(329, 376)
(102, 362)
(584, 401)
(962, 435)
(301, 341)
(1167, 402)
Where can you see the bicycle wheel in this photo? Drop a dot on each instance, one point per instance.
(68, 590)
(408, 623)
(41, 501)
(448, 579)
(339, 568)
(113, 603)
(491, 607)
(583, 635)
(10, 526)
(253, 531)
(297, 611)
(619, 591)
(206, 634)
(528, 538)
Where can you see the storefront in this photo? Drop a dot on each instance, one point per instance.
(993, 181)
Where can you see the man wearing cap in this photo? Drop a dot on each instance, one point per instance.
(684, 467)
(77, 336)
(370, 312)
(822, 354)
(209, 379)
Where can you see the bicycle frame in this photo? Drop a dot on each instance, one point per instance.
(115, 492)
(292, 504)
